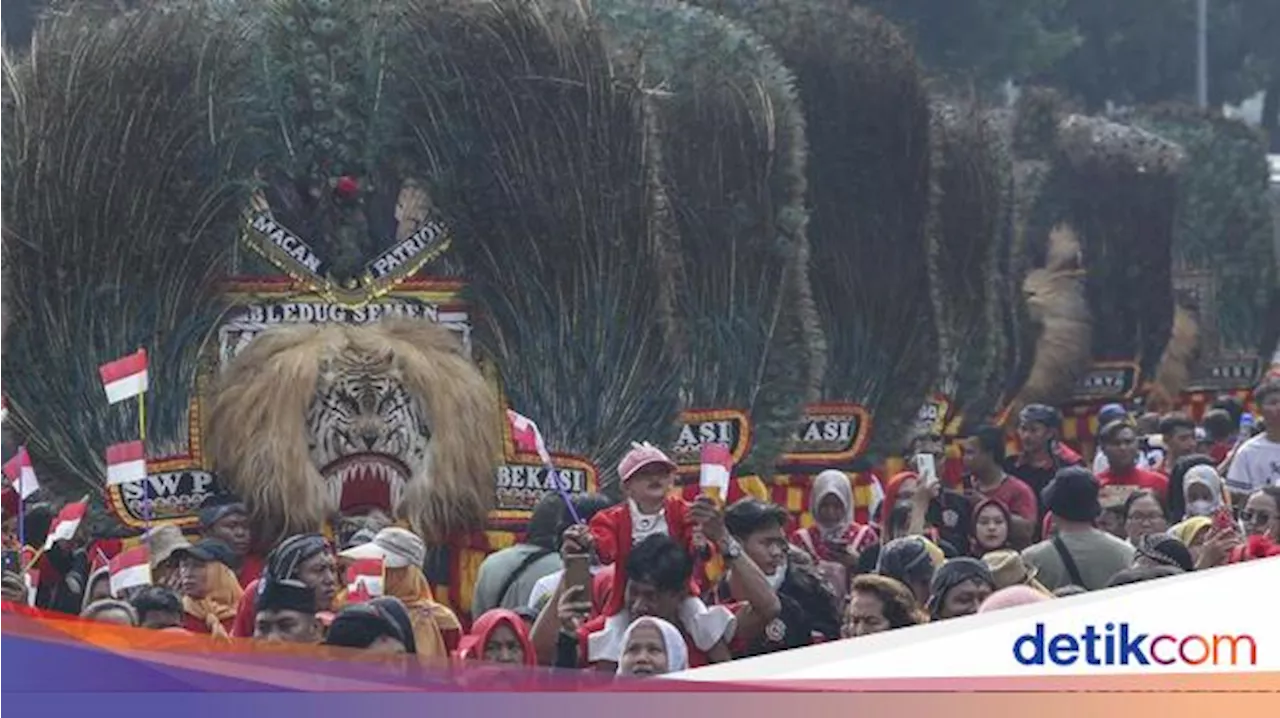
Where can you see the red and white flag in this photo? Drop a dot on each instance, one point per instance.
(126, 462)
(130, 568)
(20, 473)
(364, 580)
(125, 377)
(717, 467)
(66, 523)
(526, 437)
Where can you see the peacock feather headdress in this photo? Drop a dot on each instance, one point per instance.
(725, 154)
(968, 237)
(537, 147)
(869, 191)
(124, 177)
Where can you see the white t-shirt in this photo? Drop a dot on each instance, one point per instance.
(1256, 464)
(547, 585)
(1150, 455)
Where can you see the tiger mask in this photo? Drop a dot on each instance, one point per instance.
(310, 423)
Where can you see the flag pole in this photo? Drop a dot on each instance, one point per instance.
(142, 436)
(22, 518)
(22, 508)
(34, 560)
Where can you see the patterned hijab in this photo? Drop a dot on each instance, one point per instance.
(284, 560)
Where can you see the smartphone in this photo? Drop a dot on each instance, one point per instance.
(12, 560)
(1223, 520)
(577, 571)
(926, 469)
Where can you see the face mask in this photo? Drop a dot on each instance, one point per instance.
(776, 578)
(1200, 507)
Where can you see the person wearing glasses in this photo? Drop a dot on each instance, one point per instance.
(1261, 513)
(1143, 515)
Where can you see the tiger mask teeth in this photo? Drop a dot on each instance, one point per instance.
(363, 482)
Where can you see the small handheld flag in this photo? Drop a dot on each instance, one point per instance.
(125, 377)
(364, 580)
(126, 462)
(528, 439)
(130, 568)
(21, 474)
(717, 467)
(713, 481)
(66, 523)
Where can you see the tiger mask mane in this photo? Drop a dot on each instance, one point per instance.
(312, 422)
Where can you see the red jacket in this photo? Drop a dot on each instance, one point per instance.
(250, 569)
(611, 530)
(246, 612)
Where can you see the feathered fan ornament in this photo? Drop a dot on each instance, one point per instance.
(123, 186)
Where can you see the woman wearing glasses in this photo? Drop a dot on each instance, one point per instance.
(1143, 515)
(1261, 513)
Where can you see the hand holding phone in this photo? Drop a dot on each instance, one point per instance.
(577, 572)
(927, 470)
(1223, 520)
(576, 539)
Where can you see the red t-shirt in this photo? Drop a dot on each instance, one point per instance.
(1220, 450)
(250, 569)
(1117, 485)
(1014, 493)
(246, 613)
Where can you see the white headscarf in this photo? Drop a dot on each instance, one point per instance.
(672, 641)
(832, 483)
(1208, 477)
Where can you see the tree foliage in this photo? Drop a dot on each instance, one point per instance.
(982, 42)
(1144, 51)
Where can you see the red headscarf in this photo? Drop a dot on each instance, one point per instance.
(471, 647)
(891, 489)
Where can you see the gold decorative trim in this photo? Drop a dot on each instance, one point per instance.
(367, 289)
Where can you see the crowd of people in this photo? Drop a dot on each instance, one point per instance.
(656, 584)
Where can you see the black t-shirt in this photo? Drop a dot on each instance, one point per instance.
(1038, 477)
(951, 514)
(807, 608)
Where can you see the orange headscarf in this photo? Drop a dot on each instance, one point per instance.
(219, 604)
(472, 645)
(430, 619)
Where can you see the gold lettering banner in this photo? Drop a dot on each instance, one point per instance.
(293, 256)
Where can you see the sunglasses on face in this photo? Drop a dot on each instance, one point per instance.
(1255, 517)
